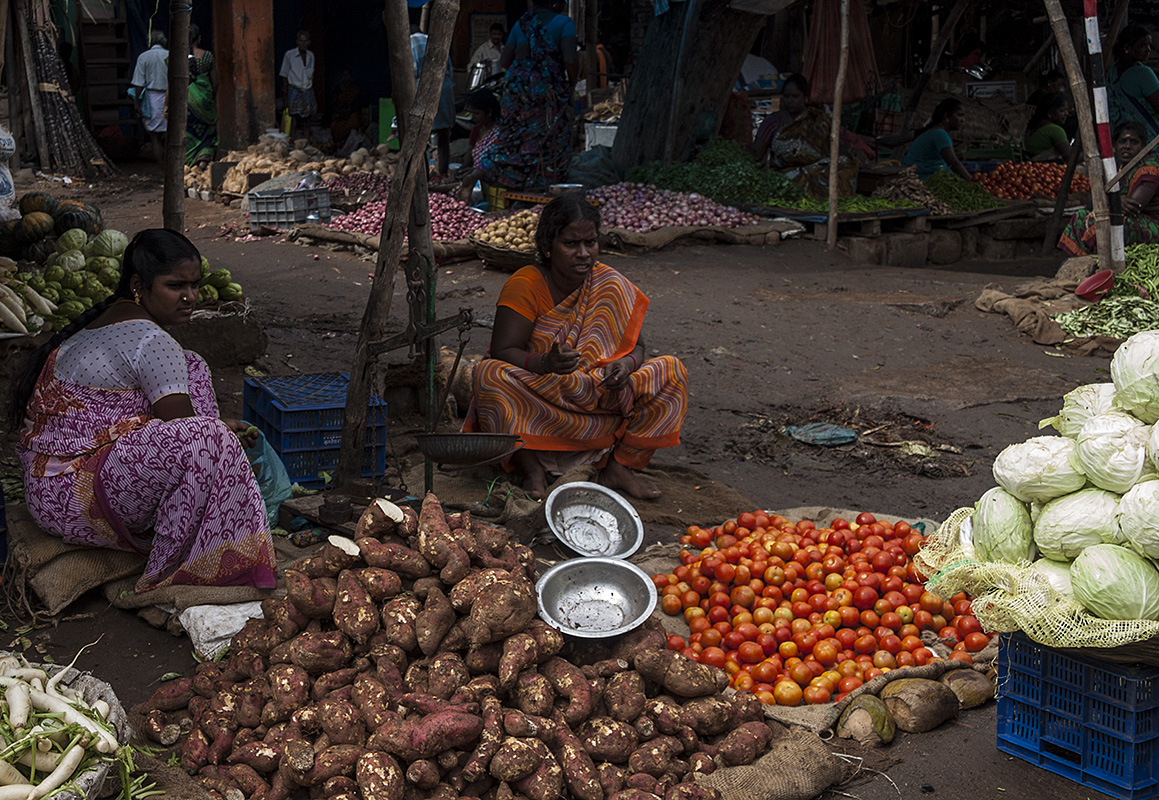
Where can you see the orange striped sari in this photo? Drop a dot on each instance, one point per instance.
(602, 320)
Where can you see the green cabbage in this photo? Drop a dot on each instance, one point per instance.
(1135, 371)
(1002, 528)
(1039, 469)
(107, 243)
(1057, 573)
(1074, 522)
(1111, 449)
(72, 261)
(1138, 518)
(73, 239)
(1079, 405)
(1113, 582)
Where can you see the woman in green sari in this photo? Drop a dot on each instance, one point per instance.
(1140, 190)
(201, 124)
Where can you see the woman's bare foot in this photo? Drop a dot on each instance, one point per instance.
(534, 476)
(617, 476)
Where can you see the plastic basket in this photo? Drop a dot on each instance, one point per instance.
(290, 208)
(301, 417)
(1094, 722)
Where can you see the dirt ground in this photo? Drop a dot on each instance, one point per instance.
(772, 336)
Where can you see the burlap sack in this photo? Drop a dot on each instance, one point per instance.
(797, 766)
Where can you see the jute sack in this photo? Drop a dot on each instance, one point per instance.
(797, 766)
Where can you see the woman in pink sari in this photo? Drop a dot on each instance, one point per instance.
(120, 438)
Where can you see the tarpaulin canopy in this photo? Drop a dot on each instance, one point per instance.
(824, 51)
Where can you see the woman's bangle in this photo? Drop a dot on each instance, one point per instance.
(635, 365)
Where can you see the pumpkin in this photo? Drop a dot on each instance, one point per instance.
(9, 246)
(38, 201)
(72, 214)
(98, 219)
(40, 251)
(34, 227)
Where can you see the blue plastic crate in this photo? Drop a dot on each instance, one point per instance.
(301, 417)
(1094, 722)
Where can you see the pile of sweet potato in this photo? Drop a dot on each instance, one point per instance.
(409, 662)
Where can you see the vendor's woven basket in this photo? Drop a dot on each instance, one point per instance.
(501, 258)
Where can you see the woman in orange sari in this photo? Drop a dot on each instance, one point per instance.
(567, 368)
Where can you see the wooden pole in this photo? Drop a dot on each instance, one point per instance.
(31, 78)
(173, 199)
(591, 34)
(1055, 224)
(1078, 84)
(411, 168)
(4, 8)
(835, 126)
(1032, 64)
(947, 30)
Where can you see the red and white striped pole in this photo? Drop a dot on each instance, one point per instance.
(1103, 130)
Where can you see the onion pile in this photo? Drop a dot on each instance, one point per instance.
(451, 220)
(358, 186)
(641, 208)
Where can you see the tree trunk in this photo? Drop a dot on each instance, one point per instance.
(29, 64)
(719, 40)
(835, 128)
(173, 201)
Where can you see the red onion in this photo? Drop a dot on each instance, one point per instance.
(358, 186)
(451, 219)
(640, 207)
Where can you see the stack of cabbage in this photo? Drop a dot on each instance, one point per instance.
(1086, 503)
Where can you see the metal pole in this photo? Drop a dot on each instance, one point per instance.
(1118, 255)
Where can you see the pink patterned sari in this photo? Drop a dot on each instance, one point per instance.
(101, 471)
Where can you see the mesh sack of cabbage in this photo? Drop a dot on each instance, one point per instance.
(1013, 597)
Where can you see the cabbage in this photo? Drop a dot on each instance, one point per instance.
(1079, 405)
(1057, 573)
(1135, 371)
(1113, 582)
(73, 239)
(1069, 524)
(1112, 450)
(72, 261)
(1002, 528)
(1138, 518)
(107, 243)
(1039, 469)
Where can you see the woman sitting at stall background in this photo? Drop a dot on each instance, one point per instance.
(796, 140)
(120, 438)
(1140, 203)
(1132, 87)
(933, 149)
(484, 110)
(1046, 139)
(567, 368)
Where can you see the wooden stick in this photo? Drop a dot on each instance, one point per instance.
(1052, 229)
(45, 155)
(591, 28)
(835, 125)
(1100, 207)
(944, 35)
(173, 202)
(1038, 54)
(1117, 19)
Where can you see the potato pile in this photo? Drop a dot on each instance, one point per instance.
(410, 664)
(516, 232)
(276, 156)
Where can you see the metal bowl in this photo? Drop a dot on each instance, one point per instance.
(593, 520)
(563, 188)
(594, 598)
(468, 449)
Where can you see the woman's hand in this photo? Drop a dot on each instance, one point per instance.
(616, 374)
(245, 432)
(1131, 205)
(560, 360)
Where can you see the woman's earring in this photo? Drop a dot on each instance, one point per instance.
(136, 297)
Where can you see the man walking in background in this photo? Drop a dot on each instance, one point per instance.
(150, 84)
(298, 85)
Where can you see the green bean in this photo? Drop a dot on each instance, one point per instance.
(960, 195)
(1118, 317)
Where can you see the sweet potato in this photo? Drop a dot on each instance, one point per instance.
(320, 652)
(307, 719)
(645, 727)
(355, 613)
(568, 681)
(548, 640)
(476, 689)
(692, 791)
(664, 783)
(381, 518)
(251, 699)
(484, 659)
(488, 537)
(398, 621)
(702, 763)
(606, 669)
(328, 682)
(434, 621)
(370, 696)
(417, 677)
(339, 784)
(249, 781)
(172, 695)
(640, 640)
(214, 780)
(633, 794)
(746, 707)
(459, 520)
(285, 616)
(281, 653)
(388, 555)
(505, 608)
(281, 786)
(611, 778)
(289, 687)
(579, 771)
(313, 597)
(606, 739)
(624, 696)
(338, 759)
(206, 681)
(653, 757)
(432, 734)
(447, 673)
(409, 527)
(546, 783)
(383, 652)
(194, 751)
(464, 593)
(456, 638)
(159, 730)
(533, 694)
(519, 652)
(743, 745)
(260, 756)
(381, 584)
(218, 729)
(489, 740)
(680, 675)
(342, 722)
(516, 723)
(429, 704)
(708, 716)
(255, 634)
(641, 780)
(438, 545)
(517, 758)
(423, 774)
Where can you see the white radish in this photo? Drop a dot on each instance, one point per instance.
(9, 774)
(38, 301)
(50, 687)
(41, 762)
(27, 674)
(8, 663)
(19, 702)
(10, 320)
(16, 791)
(102, 708)
(13, 301)
(59, 776)
(106, 742)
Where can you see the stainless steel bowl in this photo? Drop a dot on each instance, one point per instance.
(468, 449)
(593, 520)
(563, 188)
(594, 598)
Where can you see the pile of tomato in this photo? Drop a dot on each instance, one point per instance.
(1012, 181)
(800, 614)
